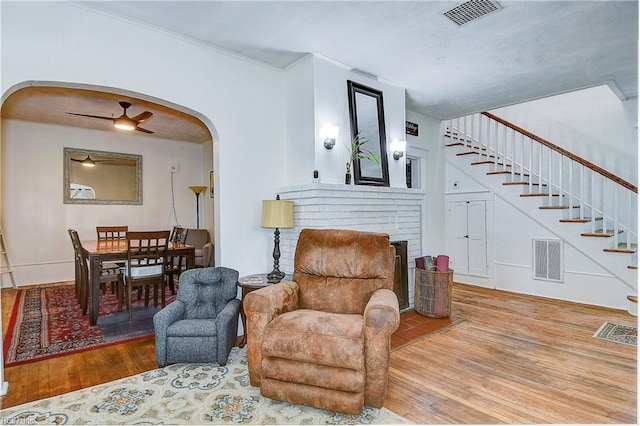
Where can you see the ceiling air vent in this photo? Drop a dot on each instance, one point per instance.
(471, 10)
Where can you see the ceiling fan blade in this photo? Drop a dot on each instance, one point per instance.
(91, 116)
(142, 117)
(140, 129)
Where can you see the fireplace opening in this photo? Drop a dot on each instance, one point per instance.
(401, 275)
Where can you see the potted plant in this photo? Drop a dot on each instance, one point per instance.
(358, 152)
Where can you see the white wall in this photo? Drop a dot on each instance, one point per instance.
(592, 123)
(428, 148)
(240, 101)
(332, 107)
(35, 220)
(299, 157)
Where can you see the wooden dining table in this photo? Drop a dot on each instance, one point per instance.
(97, 252)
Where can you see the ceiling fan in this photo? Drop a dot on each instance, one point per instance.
(89, 162)
(124, 122)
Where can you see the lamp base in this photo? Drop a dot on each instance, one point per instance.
(275, 276)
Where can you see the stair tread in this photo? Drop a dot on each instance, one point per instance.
(556, 207)
(489, 162)
(523, 183)
(579, 220)
(506, 172)
(620, 250)
(599, 233)
(539, 194)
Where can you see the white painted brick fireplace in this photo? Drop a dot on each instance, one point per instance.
(395, 211)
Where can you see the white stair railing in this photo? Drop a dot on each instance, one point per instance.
(586, 192)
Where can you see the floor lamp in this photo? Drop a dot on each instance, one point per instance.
(276, 214)
(198, 190)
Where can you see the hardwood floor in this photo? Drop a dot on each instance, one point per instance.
(513, 359)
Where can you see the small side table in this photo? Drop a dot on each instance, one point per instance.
(248, 284)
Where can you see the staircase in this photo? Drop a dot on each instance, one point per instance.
(587, 207)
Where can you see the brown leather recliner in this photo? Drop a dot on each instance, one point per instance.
(323, 339)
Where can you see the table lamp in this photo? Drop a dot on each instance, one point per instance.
(276, 214)
(198, 190)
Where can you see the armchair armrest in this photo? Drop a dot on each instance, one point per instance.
(227, 329)
(261, 307)
(161, 321)
(207, 254)
(381, 319)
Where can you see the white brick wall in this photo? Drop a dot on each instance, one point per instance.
(395, 211)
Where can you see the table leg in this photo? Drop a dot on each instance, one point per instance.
(191, 259)
(94, 291)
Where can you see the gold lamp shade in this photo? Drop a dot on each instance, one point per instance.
(198, 189)
(277, 214)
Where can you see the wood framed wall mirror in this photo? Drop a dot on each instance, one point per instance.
(366, 115)
(100, 177)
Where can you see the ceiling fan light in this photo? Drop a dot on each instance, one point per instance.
(88, 162)
(123, 123)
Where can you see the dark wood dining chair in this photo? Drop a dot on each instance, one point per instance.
(77, 260)
(146, 262)
(111, 234)
(112, 275)
(176, 264)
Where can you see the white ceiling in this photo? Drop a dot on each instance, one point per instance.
(526, 50)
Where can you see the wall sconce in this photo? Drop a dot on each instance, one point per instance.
(329, 133)
(398, 148)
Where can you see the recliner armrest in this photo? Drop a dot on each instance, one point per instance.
(261, 307)
(382, 311)
(381, 319)
(161, 321)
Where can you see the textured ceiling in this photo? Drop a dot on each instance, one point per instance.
(526, 50)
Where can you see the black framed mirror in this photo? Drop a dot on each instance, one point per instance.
(366, 115)
(99, 177)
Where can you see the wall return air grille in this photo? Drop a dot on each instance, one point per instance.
(471, 10)
(547, 260)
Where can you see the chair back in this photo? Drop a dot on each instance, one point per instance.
(206, 291)
(111, 233)
(75, 241)
(197, 237)
(146, 253)
(77, 249)
(338, 270)
(179, 235)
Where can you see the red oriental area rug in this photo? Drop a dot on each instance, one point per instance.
(47, 321)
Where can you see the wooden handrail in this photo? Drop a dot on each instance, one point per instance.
(566, 153)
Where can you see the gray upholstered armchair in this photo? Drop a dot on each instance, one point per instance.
(201, 325)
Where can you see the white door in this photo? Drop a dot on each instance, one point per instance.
(467, 237)
(477, 232)
(457, 246)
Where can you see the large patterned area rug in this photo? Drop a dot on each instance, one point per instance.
(47, 321)
(617, 333)
(183, 394)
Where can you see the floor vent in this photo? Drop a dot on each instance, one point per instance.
(547, 260)
(471, 10)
